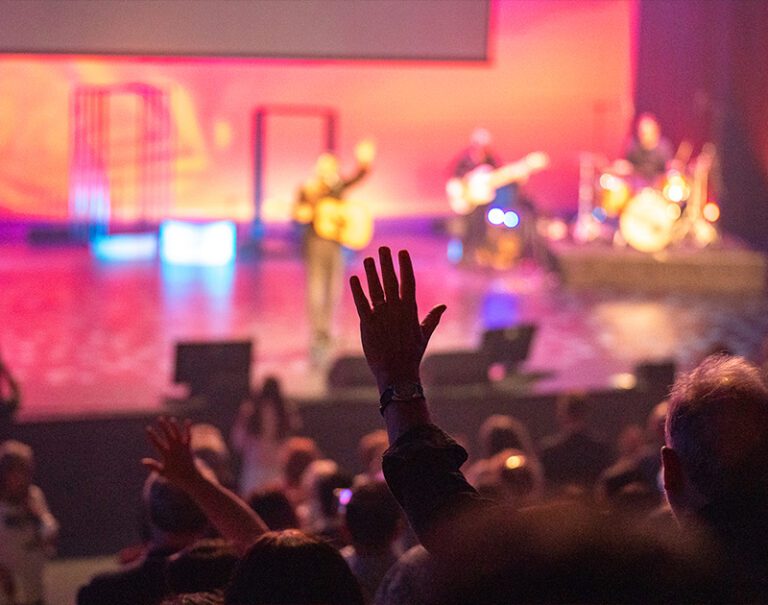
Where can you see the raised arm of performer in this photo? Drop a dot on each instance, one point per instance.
(422, 463)
(227, 512)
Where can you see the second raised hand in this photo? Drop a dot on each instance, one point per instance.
(393, 339)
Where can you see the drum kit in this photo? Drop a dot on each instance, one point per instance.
(650, 217)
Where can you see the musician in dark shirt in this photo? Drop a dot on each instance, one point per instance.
(649, 152)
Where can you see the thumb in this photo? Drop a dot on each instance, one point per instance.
(431, 321)
(152, 465)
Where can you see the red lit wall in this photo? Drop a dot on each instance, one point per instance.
(559, 79)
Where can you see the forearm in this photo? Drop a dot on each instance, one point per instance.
(228, 513)
(422, 470)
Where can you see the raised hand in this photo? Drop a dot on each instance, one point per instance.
(393, 339)
(171, 439)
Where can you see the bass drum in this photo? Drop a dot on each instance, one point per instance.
(647, 221)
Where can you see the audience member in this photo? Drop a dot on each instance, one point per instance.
(176, 522)
(319, 515)
(292, 568)
(296, 454)
(715, 462)
(373, 520)
(204, 567)
(486, 553)
(511, 477)
(28, 530)
(273, 506)
(409, 580)
(370, 449)
(208, 445)
(262, 425)
(573, 457)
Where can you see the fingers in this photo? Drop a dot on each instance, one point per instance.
(159, 442)
(407, 279)
(391, 287)
(361, 302)
(374, 285)
(431, 321)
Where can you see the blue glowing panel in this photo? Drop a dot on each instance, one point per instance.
(125, 247)
(201, 244)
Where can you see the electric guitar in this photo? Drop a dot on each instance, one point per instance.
(478, 187)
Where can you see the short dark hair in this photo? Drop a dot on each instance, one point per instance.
(274, 508)
(575, 405)
(718, 424)
(372, 515)
(292, 567)
(170, 509)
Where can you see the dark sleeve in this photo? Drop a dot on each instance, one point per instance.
(362, 171)
(422, 471)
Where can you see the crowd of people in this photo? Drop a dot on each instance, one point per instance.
(669, 512)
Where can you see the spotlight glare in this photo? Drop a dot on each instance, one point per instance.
(496, 216)
(511, 219)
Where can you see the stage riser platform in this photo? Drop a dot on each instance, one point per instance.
(708, 271)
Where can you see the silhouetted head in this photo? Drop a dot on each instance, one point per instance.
(296, 455)
(372, 516)
(501, 432)
(170, 510)
(274, 508)
(293, 568)
(717, 437)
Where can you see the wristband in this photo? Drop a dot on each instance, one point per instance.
(402, 391)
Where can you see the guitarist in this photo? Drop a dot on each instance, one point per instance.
(478, 153)
(323, 256)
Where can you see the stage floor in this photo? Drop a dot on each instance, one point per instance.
(91, 338)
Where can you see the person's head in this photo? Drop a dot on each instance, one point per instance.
(321, 483)
(174, 517)
(372, 517)
(717, 438)
(208, 445)
(205, 566)
(16, 466)
(500, 432)
(274, 508)
(648, 131)
(296, 455)
(293, 568)
(269, 409)
(573, 410)
(370, 449)
(327, 167)
(480, 138)
(514, 477)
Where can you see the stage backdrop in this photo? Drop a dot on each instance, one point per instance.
(557, 78)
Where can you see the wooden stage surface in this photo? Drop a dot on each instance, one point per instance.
(88, 338)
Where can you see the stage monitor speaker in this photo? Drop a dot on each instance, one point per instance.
(350, 372)
(215, 369)
(509, 346)
(655, 375)
(455, 368)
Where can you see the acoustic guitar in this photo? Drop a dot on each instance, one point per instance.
(347, 222)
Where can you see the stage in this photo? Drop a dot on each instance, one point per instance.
(88, 338)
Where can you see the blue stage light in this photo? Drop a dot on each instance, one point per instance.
(511, 219)
(124, 247)
(202, 244)
(455, 251)
(496, 216)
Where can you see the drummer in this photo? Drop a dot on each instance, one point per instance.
(649, 154)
